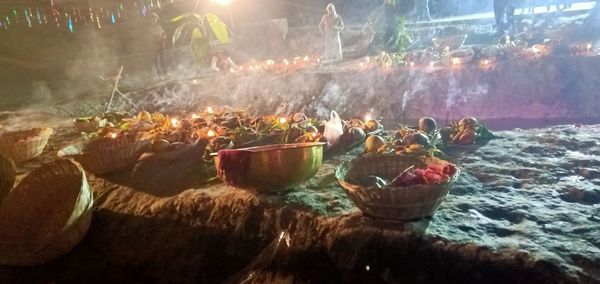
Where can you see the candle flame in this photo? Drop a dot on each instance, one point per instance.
(209, 110)
(361, 64)
(431, 63)
(455, 61)
(174, 122)
(306, 58)
(485, 62)
(195, 116)
(282, 120)
(211, 133)
(113, 135)
(368, 117)
(314, 135)
(412, 64)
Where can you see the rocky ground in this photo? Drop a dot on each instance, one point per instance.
(525, 209)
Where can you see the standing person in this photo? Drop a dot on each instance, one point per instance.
(159, 41)
(422, 7)
(330, 26)
(504, 11)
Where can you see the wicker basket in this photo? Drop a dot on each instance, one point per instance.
(86, 126)
(105, 155)
(7, 176)
(24, 145)
(452, 42)
(462, 56)
(392, 203)
(46, 215)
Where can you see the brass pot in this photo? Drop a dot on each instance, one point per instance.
(272, 168)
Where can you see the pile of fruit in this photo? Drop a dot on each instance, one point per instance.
(467, 131)
(224, 128)
(407, 140)
(433, 174)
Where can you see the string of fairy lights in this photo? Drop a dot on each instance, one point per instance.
(70, 17)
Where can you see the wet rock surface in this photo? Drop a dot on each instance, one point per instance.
(524, 210)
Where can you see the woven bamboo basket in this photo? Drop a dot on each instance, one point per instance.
(7, 176)
(46, 215)
(86, 126)
(24, 145)
(392, 203)
(105, 155)
(452, 42)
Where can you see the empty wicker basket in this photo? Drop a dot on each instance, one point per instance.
(392, 203)
(46, 215)
(24, 145)
(7, 176)
(105, 155)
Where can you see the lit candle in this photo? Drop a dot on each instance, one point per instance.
(535, 49)
(286, 62)
(314, 135)
(485, 62)
(455, 61)
(195, 116)
(174, 122)
(431, 63)
(211, 133)
(368, 117)
(361, 65)
(368, 58)
(383, 53)
(412, 64)
(282, 120)
(306, 58)
(113, 135)
(209, 109)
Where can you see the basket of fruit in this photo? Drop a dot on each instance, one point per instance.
(106, 155)
(24, 145)
(468, 131)
(397, 188)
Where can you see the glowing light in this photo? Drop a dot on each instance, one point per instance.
(174, 122)
(211, 133)
(431, 63)
(286, 62)
(314, 134)
(195, 116)
(295, 62)
(113, 135)
(455, 61)
(535, 50)
(367, 268)
(222, 2)
(306, 58)
(194, 81)
(447, 49)
(368, 117)
(368, 58)
(270, 62)
(589, 47)
(412, 64)
(383, 53)
(209, 110)
(485, 62)
(282, 120)
(361, 64)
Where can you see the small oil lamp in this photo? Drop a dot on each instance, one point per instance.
(195, 116)
(209, 110)
(455, 61)
(113, 135)
(211, 133)
(282, 120)
(174, 122)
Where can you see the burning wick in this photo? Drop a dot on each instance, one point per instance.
(485, 62)
(174, 122)
(589, 47)
(282, 120)
(113, 135)
(211, 133)
(209, 109)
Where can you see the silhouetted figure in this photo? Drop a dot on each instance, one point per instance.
(504, 11)
(159, 38)
(330, 26)
(422, 9)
